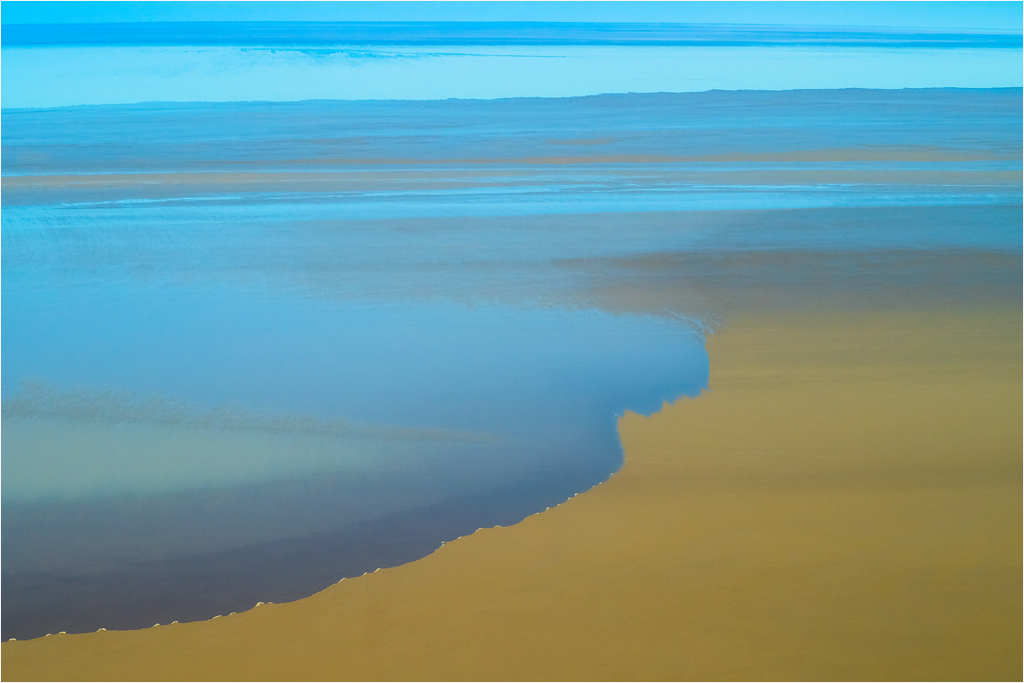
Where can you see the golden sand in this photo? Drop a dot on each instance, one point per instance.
(844, 503)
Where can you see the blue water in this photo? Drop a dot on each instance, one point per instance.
(108, 63)
(482, 394)
(251, 348)
(104, 75)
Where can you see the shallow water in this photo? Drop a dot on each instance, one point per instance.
(251, 349)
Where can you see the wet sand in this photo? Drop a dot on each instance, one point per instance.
(842, 504)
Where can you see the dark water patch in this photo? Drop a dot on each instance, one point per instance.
(181, 422)
(138, 595)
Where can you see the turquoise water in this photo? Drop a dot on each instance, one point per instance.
(252, 348)
(104, 75)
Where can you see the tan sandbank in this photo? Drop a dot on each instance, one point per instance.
(843, 504)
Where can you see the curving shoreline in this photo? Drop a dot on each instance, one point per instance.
(842, 503)
(856, 520)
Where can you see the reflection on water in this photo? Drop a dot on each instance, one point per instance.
(327, 426)
(251, 349)
(264, 387)
(159, 423)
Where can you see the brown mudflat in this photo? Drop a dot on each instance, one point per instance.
(842, 504)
